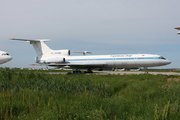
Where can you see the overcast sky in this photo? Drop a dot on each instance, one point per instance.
(99, 26)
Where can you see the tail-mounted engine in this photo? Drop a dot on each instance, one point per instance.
(61, 52)
(66, 52)
(50, 60)
(55, 60)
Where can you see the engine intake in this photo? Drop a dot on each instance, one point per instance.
(61, 52)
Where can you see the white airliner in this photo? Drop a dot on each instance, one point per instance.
(60, 58)
(4, 57)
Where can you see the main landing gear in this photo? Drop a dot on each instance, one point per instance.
(77, 71)
(100, 69)
(89, 70)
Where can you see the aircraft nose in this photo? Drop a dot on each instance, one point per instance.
(9, 58)
(168, 61)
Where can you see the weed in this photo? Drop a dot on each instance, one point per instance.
(36, 95)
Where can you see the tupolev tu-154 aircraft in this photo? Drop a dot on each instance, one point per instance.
(62, 58)
(4, 57)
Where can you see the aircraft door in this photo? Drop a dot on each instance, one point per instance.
(113, 63)
(36, 59)
(135, 61)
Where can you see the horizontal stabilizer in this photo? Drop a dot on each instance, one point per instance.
(84, 52)
(36, 40)
(40, 47)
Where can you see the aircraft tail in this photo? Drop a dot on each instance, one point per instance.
(178, 28)
(40, 47)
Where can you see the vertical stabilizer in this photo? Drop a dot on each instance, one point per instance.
(40, 47)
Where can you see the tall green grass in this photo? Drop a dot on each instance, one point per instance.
(34, 95)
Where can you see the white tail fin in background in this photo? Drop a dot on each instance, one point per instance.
(40, 47)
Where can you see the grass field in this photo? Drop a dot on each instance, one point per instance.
(38, 96)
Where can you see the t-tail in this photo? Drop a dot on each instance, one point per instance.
(44, 52)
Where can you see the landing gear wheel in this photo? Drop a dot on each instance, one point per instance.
(89, 70)
(100, 69)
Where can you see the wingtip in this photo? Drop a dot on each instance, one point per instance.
(11, 39)
(32, 64)
(177, 28)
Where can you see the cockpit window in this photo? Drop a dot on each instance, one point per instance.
(161, 57)
(5, 54)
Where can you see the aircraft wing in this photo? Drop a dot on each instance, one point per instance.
(178, 28)
(80, 65)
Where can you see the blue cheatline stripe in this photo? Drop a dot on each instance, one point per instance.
(98, 59)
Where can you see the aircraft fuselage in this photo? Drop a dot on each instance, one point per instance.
(110, 61)
(4, 57)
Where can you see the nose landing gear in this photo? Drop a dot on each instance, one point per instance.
(146, 72)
